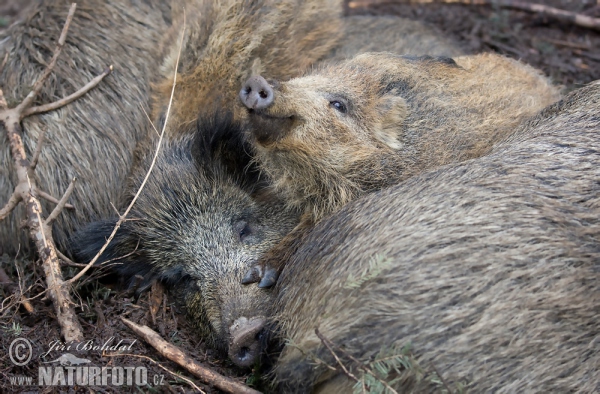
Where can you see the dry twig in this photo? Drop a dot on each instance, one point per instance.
(330, 345)
(178, 356)
(61, 203)
(565, 16)
(11, 287)
(27, 191)
(188, 381)
(38, 150)
(67, 261)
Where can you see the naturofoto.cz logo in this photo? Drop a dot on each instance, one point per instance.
(71, 370)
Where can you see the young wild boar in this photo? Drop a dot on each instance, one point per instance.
(199, 222)
(227, 41)
(373, 121)
(94, 137)
(489, 270)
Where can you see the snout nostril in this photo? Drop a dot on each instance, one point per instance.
(256, 93)
(247, 336)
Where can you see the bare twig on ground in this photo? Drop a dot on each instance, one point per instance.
(13, 288)
(13, 201)
(178, 356)
(567, 44)
(188, 381)
(565, 16)
(67, 260)
(27, 191)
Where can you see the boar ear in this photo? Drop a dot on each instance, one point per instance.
(393, 111)
(124, 254)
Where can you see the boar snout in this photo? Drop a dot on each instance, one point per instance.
(246, 340)
(256, 93)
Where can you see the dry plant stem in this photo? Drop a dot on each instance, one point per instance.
(325, 342)
(188, 381)
(13, 201)
(48, 197)
(39, 231)
(446, 386)
(176, 355)
(162, 134)
(66, 100)
(11, 287)
(40, 82)
(61, 204)
(38, 150)
(67, 260)
(359, 365)
(3, 62)
(566, 16)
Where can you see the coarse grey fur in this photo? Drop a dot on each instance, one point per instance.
(93, 138)
(199, 222)
(489, 269)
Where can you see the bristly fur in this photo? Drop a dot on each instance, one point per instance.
(402, 115)
(490, 272)
(226, 41)
(216, 149)
(197, 225)
(378, 119)
(94, 137)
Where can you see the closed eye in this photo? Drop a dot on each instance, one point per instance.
(243, 230)
(244, 233)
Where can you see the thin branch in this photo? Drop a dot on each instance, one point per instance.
(3, 103)
(11, 287)
(4, 62)
(42, 194)
(41, 234)
(149, 120)
(358, 364)
(178, 356)
(40, 82)
(67, 260)
(446, 386)
(38, 150)
(61, 204)
(37, 210)
(568, 44)
(66, 100)
(162, 134)
(188, 381)
(566, 16)
(325, 342)
(13, 201)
